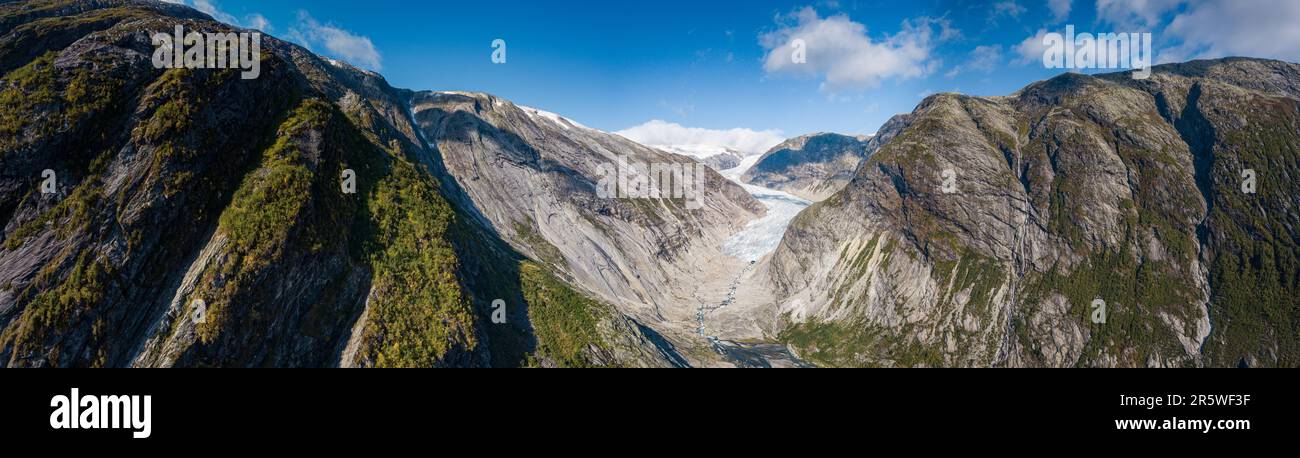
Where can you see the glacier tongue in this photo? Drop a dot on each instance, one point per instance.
(763, 235)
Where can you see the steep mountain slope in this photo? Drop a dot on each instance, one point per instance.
(815, 166)
(199, 219)
(986, 231)
(811, 166)
(534, 178)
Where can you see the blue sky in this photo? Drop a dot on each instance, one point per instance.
(714, 65)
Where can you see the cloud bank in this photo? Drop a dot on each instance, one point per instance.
(663, 133)
(1258, 28)
(841, 52)
(356, 49)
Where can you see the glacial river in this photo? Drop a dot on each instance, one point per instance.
(756, 240)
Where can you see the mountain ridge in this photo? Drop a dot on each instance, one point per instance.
(276, 266)
(814, 166)
(1001, 271)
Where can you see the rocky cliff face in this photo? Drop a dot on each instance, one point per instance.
(535, 179)
(991, 230)
(816, 166)
(811, 166)
(200, 219)
(724, 161)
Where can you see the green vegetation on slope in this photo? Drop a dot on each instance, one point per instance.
(35, 101)
(857, 344)
(69, 214)
(418, 313)
(546, 252)
(258, 221)
(21, 93)
(397, 224)
(49, 312)
(562, 319)
(1135, 296)
(1255, 274)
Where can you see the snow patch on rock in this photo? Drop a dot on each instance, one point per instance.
(563, 122)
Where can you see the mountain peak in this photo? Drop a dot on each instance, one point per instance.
(811, 166)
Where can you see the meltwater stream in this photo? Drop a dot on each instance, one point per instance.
(756, 240)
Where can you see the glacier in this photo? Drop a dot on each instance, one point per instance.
(763, 235)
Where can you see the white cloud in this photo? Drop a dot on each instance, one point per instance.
(210, 7)
(1200, 29)
(1060, 9)
(663, 133)
(1007, 8)
(840, 51)
(1211, 29)
(1135, 15)
(258, 22)
(252, 21)
(1032, 49)
(356, 49)
(982, 59)
(1197, 29)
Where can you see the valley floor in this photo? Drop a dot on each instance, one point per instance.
(733, 309)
